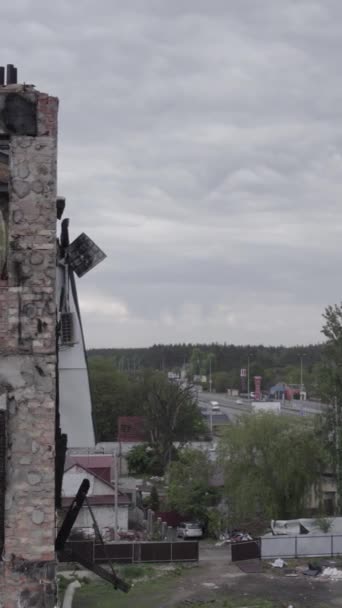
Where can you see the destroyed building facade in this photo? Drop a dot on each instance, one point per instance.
(28, 171)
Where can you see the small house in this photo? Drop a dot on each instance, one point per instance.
(101, 498)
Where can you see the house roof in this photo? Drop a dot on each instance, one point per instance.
(89, 472)
(292, 527)
(92, 461)
(102, 500)
(105, 483)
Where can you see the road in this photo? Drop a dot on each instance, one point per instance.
(229, 405)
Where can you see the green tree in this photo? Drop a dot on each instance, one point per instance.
(270, 463)
(221, 381)
(113, 396)
(330, 381)
(189, 489)
(154, 499)
(171, 414)
(170, 411)
(271, 362)
(196, 362)
(143, 460)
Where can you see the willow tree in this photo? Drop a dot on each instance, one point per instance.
(330, 382)
(270, 465)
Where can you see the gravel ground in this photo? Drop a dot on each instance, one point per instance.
(217, 577)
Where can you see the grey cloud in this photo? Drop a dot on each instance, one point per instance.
(200, 146)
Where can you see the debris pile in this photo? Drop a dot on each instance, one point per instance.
(278, 563)
(313, 569)
(333, 573)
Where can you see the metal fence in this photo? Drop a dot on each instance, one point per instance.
(249, 549)
(301, 546)
(129, 553)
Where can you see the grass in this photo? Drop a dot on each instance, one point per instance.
(63, 582)
(147, 594)
(150, 586)
(135, 571)
(153, 588)
(153, 594)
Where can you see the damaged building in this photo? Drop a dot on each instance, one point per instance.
(42, 357)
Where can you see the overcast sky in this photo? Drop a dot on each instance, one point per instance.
(200, 146)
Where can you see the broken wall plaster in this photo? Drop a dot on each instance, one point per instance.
(28, 347)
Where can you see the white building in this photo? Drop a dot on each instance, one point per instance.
(101, 496)
(74, 390)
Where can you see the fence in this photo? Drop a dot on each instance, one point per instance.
(301, 546)
(246, 550)
(129, 553)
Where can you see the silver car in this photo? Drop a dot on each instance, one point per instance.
(189, 530)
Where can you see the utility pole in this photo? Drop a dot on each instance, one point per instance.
(210, 378)
(116, 496)
(301, 372)
(248, 378)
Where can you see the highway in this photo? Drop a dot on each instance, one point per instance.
(229, 405)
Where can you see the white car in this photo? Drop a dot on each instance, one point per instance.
(189, 530)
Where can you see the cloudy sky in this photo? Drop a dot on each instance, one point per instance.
(201, 148)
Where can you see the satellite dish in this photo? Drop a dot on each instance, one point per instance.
(83, 254)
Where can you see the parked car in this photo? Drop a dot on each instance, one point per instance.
(189, 530)
(216, 408)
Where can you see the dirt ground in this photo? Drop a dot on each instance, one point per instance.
(216, 576)
(217, 582)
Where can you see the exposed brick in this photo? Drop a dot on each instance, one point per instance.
(27, 363)
(2, 477)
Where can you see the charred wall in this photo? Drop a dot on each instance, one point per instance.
(28, 157)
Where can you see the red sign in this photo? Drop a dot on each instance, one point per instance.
(257, 384)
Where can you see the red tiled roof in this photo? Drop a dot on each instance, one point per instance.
(92, 461)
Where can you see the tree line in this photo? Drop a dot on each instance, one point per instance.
(223, 361)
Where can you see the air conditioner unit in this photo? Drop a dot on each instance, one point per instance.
(67, 334)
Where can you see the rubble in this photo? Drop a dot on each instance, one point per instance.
(278, 563)
(333, 573)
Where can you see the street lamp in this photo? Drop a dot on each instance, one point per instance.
(213, 404)
(210, 378)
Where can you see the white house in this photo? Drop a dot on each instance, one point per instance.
(101, 497)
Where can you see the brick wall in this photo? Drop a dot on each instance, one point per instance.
(2, 477)
(28, 350)
(3, 313)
